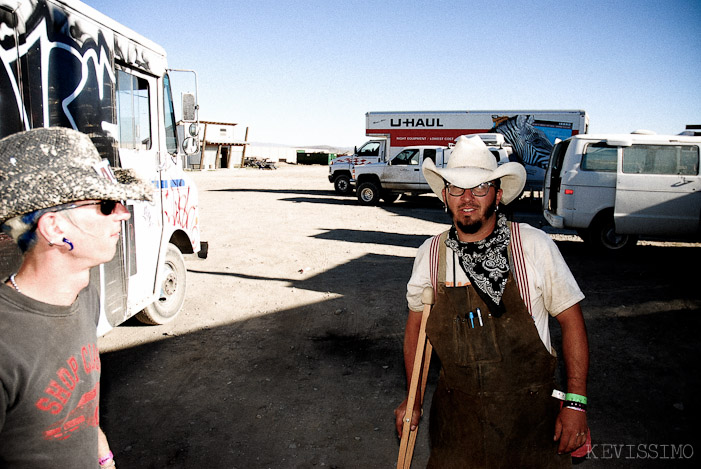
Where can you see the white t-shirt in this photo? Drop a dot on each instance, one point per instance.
(551, 286)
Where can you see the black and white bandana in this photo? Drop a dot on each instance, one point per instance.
(486, 263)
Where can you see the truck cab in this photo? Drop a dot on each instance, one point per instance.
(340, 168)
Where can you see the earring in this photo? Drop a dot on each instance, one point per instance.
(65, 240)
(445, 208)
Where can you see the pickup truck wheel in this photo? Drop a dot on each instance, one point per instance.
(602, 235)
(368, 193)
(172, 291)
(342, 185)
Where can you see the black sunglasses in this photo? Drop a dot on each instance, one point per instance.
(106, 206)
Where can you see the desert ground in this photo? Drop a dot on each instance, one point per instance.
(288, 351)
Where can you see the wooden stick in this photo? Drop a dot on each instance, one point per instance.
(422, 359)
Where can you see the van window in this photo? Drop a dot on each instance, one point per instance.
(133, 112)
(430, 154)
(661, 159)
(600, 157)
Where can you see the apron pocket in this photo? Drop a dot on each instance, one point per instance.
(474, 343)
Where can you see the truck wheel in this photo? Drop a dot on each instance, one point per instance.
(602, 235)
(342, 185)
(172, 294)
(368, 193)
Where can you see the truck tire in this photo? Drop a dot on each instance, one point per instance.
(368, 193)
(602, 236)
(342, 185)
(172, 294)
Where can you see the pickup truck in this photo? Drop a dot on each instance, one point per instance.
(402, 174)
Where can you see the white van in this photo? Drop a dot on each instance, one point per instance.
(614, 188)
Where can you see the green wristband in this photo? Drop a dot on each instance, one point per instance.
(576, 398)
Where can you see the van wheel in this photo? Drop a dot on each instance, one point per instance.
(368, 193)
(602, 235)
(172, 294)
(342, 185)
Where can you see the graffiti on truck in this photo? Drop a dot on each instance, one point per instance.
(178, 210)
(34, 64)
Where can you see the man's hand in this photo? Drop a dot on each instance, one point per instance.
(571, 429)
(399, 414)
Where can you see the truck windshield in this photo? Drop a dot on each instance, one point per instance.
(169, 113)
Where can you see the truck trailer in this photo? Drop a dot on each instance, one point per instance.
(65, 64)
(531, 134)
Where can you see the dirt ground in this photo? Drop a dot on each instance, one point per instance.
(288, 352)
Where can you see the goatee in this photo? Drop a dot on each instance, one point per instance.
(475, 226)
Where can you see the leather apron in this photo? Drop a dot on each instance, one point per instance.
(492, 407)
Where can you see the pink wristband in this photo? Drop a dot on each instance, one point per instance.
(106, 459)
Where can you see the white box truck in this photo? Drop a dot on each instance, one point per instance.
(531, 134)
(66, 64)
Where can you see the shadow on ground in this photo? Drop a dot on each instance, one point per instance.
(315, 386)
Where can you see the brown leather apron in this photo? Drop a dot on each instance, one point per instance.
(492, 407)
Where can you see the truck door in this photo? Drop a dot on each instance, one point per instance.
(658, 190)
(404, 169)
(138, 117)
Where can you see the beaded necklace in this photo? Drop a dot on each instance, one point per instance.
(14, 284)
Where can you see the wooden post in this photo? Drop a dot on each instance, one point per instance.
(243, 153)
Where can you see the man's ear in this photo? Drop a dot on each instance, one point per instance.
(50, 227)
(498, 196)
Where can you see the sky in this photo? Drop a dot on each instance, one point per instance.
(305, 72)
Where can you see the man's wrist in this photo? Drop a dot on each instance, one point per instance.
(106, 461)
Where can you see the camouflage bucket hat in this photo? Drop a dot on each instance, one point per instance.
(42, 168)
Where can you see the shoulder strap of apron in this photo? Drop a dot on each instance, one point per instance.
(437, 260)
(517, 261)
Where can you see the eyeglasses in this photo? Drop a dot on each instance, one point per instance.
(107, 207)
(477, 191)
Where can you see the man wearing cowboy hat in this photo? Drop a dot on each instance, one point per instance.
(496, 284)
(61, 204)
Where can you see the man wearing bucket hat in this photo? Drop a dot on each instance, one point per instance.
(496, 283)
(61, 204)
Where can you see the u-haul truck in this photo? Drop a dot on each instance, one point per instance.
(531, 134)
(65, 64)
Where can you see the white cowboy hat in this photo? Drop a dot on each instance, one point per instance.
(470, 164)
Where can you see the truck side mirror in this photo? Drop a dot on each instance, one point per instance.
(191, 145)
(189, 107)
